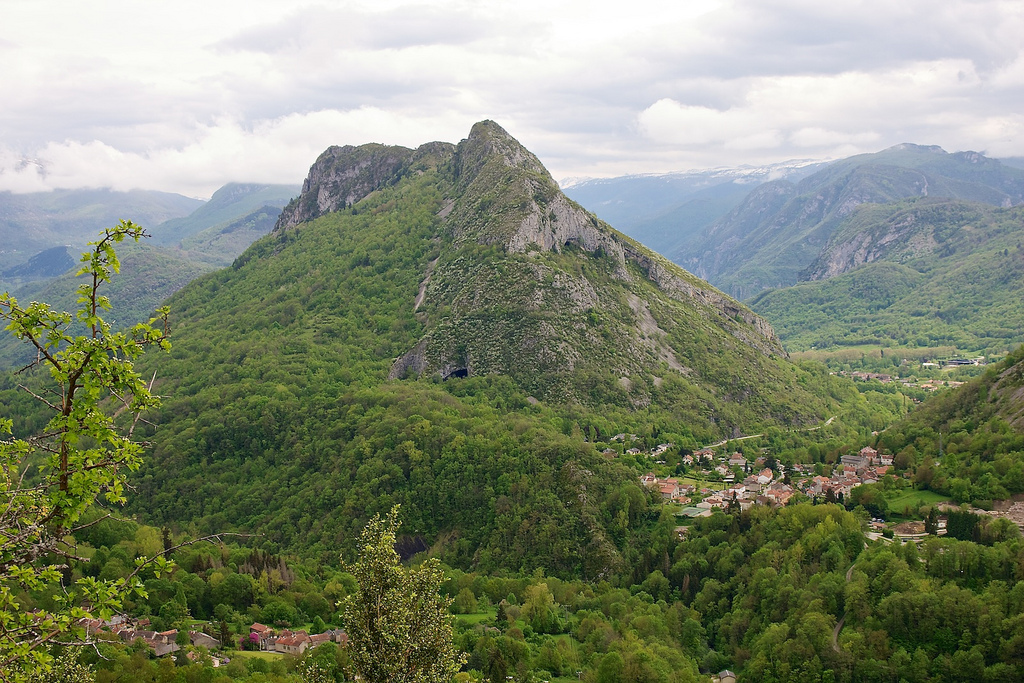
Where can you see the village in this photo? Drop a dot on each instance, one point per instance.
(734, 482)
(162, 643)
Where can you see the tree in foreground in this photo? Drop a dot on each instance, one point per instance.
(48, 481)
(398, 623)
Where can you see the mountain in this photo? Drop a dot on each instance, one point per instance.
(47, 263)
(918, 272)
(222, 243)
(148, 276)
(182, 248)
(230, 207)
(663, 211)
(966, 443)
(781, 227)
(441, 327)
(32, 223)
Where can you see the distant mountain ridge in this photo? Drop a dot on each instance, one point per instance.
(919, 272)
(665, 210)
(184, 247)
(780, 228)
(31, 223)
(230, 203)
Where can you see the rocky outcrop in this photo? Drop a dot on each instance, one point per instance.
(518, 311)
(343, 176)
(673, 281)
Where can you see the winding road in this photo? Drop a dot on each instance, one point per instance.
(839, 624)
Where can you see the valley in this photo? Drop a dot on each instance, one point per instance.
(628, 474)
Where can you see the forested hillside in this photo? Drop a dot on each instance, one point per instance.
(31, 223)
(280, 416)
(920, 272)
(781, 228)
(447, 332)
(969, 442)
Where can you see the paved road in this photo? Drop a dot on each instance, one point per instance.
(754, 436)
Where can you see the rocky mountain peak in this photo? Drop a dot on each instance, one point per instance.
(342, 176)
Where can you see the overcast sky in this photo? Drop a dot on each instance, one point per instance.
(185, 96)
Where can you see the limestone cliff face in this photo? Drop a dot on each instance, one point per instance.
(342, 176)
(536, 215)
(528, 284)
(902, 230)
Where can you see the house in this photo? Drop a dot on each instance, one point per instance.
(634, 451)
(167, 636)
(649, 479)
(158, 642)
(319, 639)
(726, 676)
(765, 476)
(737, 460)
(294, 644)
(661, 448)
(260, 630)
(199, 638)
(704, 454)
(858, 462)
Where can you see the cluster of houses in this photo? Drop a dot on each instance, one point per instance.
(866, 467)
(165, 642)
(161, 642)
(764, 486)
(293, 642)
(865, 376)
(760, 488)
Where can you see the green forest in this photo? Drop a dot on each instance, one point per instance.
(276, 428)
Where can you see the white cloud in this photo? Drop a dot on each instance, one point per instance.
(186, 96)
(272, 151)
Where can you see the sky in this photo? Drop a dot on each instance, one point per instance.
(185, 96)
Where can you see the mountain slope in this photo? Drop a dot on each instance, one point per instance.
(227, 205)
(149, 275)
(921, 272)
(461, 262)
(667, 210)
(781, 228)
(30, 223)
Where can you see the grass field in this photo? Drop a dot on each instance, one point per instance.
(912, 498)
(478, 617)
(713, 485)
(269, 656)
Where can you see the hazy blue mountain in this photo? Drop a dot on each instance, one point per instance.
(47, 263)
(664, 210)
(31, 223)
(1015, 162)
(227, 205)
(781, 227)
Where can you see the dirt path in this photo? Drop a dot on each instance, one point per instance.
(839, 624)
